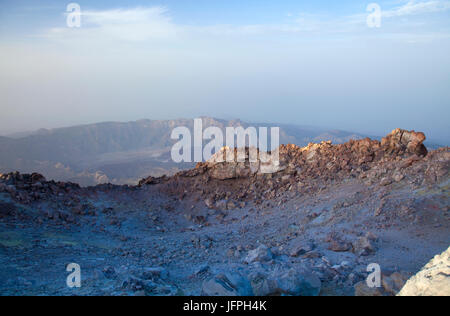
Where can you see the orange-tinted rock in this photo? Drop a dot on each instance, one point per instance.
(400, 141)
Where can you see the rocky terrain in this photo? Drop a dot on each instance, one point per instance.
(228, 228)
(122, 153)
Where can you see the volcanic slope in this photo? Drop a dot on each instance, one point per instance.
(311, 228)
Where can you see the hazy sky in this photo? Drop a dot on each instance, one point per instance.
(302, 62)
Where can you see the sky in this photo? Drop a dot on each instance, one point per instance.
(316, 63)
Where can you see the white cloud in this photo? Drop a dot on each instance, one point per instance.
(129, 16)
(143, 24)
(416, 8)
(138, 24)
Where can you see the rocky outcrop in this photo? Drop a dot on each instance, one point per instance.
(397, 158)
(400, 158)
(152, 180)
(15, 178)
(322, 160)
(240, 163)
(400, 141)
(27, 188)
(432, 280)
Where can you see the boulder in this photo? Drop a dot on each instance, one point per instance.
(339, 246)
(400, 141)
(363, 246)
(301, 248)
(432, 280)
(295, 283)
(361, 289)
(209, 202)
(154, 273)
(262, 285)
(260, 254)
(291, 282)
(221, 205)
(227, 285)
(393, 284)
(36, 177)
(226, 164)
(136, 284)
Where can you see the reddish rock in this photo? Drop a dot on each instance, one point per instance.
(400, 141)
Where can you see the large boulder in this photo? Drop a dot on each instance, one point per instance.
(301, 248)
(390, 285)
(361, 289)
(400, 141)
(260, 254)
(432, 280)
(226, 164)
(363, 246)
(227, 285)
(291, 282)
(296, 283)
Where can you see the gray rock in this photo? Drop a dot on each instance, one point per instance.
(262, 285)
(227, 285)
(202, 270)
(361, 289)
(157, 272)
(339, 246)
(261, 254)
(299, 284)
(136, 284)
(301, 249)
(291, 282)
(209, 202)
(221, 205)
(363, 246)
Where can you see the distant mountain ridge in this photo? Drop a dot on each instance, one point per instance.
(124, 152)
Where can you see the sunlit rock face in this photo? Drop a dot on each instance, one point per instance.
(241, 163)
(315, 160)
(400, 141)
(432, 280)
